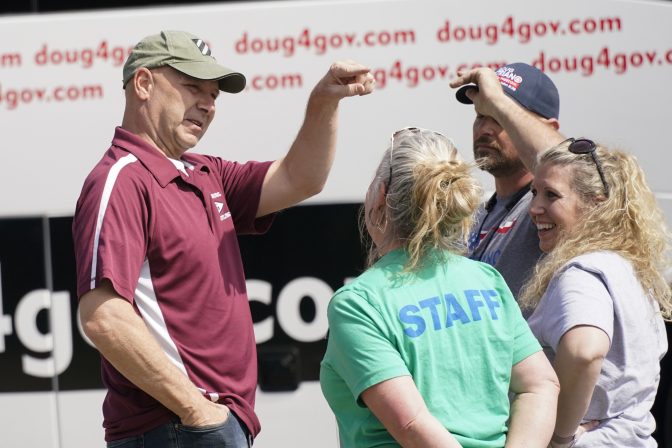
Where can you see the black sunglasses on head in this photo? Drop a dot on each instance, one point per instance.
(586, 146)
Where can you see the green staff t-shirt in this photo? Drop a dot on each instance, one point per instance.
(453, 326)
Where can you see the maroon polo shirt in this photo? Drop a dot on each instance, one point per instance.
(167, 242)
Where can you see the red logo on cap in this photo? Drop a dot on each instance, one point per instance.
(508, 78)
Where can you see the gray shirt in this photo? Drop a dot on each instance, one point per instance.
(505, 237)
(600, 289)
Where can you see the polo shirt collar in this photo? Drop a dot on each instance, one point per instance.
(156, 163)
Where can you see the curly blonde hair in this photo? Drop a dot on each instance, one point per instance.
(431, 197)
(627, 221)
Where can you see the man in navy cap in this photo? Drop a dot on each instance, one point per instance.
(504, 235)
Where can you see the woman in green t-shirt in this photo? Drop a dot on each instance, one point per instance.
(426, 345)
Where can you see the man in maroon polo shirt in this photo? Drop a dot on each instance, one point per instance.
(159, 275)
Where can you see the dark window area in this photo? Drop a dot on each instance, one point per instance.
(38, 6)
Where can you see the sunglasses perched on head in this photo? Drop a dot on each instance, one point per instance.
(586, 146)
(395, 134)
(413, 130)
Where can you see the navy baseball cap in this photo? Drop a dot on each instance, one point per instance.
(528, 85)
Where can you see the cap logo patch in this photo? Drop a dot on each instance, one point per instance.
(202, 46)
(508, 78)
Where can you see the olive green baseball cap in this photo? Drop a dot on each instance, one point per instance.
(185, 53)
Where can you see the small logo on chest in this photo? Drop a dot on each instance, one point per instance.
(219, 205)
